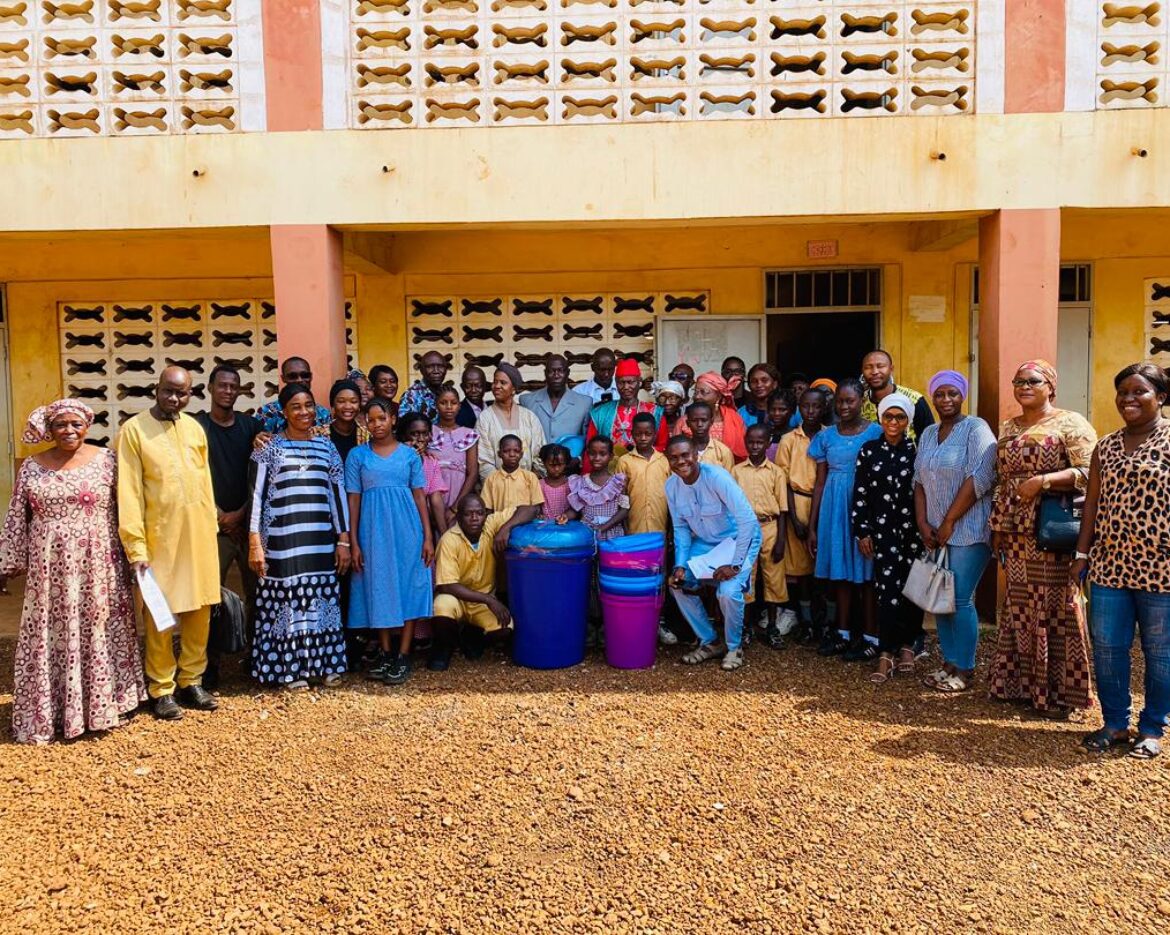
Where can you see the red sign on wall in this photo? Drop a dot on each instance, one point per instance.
(822, 249)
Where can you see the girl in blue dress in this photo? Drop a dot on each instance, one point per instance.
(830, 536)
(394, 548)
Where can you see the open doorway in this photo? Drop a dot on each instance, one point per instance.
(822, 322)
(824, 344)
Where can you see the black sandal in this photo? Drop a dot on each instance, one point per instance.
(1104, 740)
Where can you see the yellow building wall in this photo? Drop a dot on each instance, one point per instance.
(729, 261)
(1124, 250)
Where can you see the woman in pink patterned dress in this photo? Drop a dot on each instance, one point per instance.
(77, 663)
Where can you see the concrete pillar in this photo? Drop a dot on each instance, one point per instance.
(1019, 286)
(307, 272)
(292, 64)
(1034, 56)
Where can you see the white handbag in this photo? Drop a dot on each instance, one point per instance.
(930, 584)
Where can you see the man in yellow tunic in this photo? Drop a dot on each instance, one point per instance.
(167, 523)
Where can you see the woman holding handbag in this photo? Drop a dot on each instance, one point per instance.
(1042, 656)
(1123, 546)
(953, 477)
(883, 524)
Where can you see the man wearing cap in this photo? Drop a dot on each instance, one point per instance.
(615, 418)
(877, 370)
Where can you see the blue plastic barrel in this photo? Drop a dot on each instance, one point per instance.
(548, 592)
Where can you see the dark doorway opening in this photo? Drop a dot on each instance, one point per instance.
(821, 344)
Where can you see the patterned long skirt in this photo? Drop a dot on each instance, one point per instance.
(1042, 652)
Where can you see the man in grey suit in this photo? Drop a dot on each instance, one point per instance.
(559, 411)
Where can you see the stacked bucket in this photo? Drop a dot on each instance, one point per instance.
(631, 576)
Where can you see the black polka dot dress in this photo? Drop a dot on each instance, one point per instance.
(883, 510)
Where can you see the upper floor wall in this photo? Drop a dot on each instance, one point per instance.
(83, 68)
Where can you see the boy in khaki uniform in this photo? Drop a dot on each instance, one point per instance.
(710, 450)
(766, 489)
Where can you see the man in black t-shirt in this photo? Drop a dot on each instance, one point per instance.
(230, 435)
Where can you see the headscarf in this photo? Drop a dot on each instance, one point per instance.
(37, 429)
(948, 378)
(725, 388)
(356, 374)
(896, 401)
(658, 387)
(1042, 367)
(733, 427)
(628, 368)
(823, 383)
(512, 374)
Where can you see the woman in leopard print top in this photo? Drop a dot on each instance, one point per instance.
(1125, 544)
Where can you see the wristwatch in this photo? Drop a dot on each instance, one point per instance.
(1080, 556)
(1046, 483)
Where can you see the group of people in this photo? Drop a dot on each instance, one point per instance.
(375, 525)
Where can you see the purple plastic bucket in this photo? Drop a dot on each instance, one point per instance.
(650, 560)
(631, 629)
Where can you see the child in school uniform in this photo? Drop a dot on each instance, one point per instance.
(766, 489)
(554, 486)
(646, 471)
(511, 486)
(711, 451)
(800, 471)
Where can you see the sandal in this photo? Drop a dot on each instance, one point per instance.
(1103, 740)
(932, 680)
(884, 672)
(1146, 748)
(953, 684)
(906, 659)
(703, 653)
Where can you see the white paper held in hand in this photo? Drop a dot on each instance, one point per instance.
(703, 566)
(155, 601)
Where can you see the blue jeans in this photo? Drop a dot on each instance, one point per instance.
(1113, 613)
(958, 633)
(729, 594)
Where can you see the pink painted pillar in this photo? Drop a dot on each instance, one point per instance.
(1019, 286)
(292, 64)
(1034, 56)
(307, 268)
(310, 299)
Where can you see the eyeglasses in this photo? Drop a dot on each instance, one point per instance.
(895, 417)
(298, 377)
(1034, 381)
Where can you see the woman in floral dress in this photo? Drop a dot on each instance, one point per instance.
(77, 663)
(1042, 655)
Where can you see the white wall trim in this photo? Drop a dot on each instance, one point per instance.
(990, 56)
(1080, 55)
(334, 64)
(253, 88)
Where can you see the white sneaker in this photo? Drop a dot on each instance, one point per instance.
(666, 637)
(787, 622)
(733, 660)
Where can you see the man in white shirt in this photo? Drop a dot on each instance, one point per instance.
(602, 386)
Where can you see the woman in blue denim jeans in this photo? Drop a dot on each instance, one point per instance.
(953, 477)
(1125, 548)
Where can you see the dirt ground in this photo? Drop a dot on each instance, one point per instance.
(788, 796)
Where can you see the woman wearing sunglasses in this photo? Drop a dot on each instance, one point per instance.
(1042, 656)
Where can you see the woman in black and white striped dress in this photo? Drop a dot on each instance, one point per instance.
(298, 546)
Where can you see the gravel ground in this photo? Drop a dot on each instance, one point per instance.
(788, 796)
